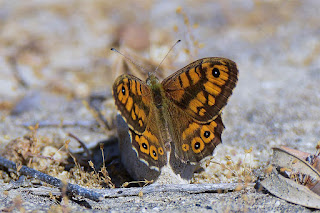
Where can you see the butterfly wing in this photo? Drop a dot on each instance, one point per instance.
(203, 87)
(133, 100)
(192, 140)
(199, 92)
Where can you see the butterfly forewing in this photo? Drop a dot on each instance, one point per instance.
(133, 100)
(203, 87)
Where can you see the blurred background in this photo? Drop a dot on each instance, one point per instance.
(54, 53)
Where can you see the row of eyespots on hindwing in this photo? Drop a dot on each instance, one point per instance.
(148, 149)
(198, 143)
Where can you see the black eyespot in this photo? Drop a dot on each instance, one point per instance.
(144, 145)
(216, 72)
(154, 153)
(206, 134)
(123, 90)
(197, 145)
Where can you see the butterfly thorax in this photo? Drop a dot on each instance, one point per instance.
(157, 90)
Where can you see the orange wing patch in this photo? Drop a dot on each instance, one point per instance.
(160, 151)
(143, 144)
(129, 104)
(151, 137)
(194, 105)
(184, 81)
(133, 87)
(195, 75)
(207, 134)
(153, 152)
(202, 112)
(123, 93)
(185, 147)
(211, 100)
(197, 145)
(201, 97)
(140, 114)
(190, 130)
(212, 88)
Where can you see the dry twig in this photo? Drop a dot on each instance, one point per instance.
(71, 188)
(187, 188)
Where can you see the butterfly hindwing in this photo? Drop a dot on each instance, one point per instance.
(149, 146)
(192, 140)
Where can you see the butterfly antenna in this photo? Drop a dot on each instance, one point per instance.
(167, 54)
(129, 59)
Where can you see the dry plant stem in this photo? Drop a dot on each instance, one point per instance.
(82, 144)
(98, 116)
(187, 188)
(71, 188)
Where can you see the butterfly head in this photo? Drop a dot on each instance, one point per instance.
(152, 79)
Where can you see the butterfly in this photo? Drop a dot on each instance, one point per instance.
(181, 114)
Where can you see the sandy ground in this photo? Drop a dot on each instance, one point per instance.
(55, 54)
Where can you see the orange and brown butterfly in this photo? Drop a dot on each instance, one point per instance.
(181, 114)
